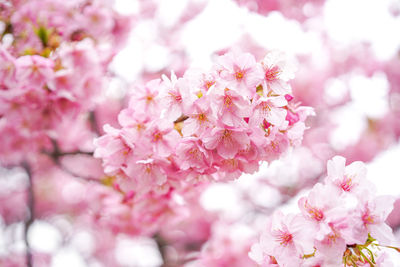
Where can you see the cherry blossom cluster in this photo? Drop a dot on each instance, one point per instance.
(98, 205)
(53, 60)
(341, 223)
(38, 26)
(204, 126)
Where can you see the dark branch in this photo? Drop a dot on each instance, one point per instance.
(57, 154)
(83, 178)
(69, 153)
(93, 123)
(161, 248)
(31, 215)
(181, 119)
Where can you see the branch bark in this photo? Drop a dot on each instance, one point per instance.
(31, 216)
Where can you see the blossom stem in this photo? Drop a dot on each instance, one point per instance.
(366, 258)
(395, 248)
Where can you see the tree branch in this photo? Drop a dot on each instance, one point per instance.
(31, 216)
(57, 154)
(93, 123)
(83, 178)
(161, 248)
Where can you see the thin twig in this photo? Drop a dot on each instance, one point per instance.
(71, 153)
(83, 178)
(181, 119)
(57, 154)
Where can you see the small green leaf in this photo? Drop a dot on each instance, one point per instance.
(43, 35)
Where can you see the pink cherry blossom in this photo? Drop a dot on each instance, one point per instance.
(7, 69)
(145, 98)
(34, 70)
(148, 172)
(373, 214)
(269, 108)
(340, 226)
(277, 71)
(348, 178)
(287, 239)
(230, 107)
(192, 155)
(240, 71)
(200, 118)
(176, 98)
(163, 136)
(227, 141)
(112, 145)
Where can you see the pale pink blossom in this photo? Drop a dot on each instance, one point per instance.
(34, 70)
(145, 97)
(348, 179)
(287, 238)
(200, 81)
(372, 216)
(240, 71)
(163, 136)
(230, 107)
(147, 173)
(277, 71)
(200, 118)
(7, 69)
(227, 141)
(269, 108)
(192, 155)
(176, 98)
(113, 148)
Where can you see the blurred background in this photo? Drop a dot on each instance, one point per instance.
(347, 54)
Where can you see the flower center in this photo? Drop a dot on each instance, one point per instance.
(208, 84)
(177, 97)
(239, 75)
(149, 98)
(266, 107)
(157, 136)
(228, 101)
(147, 169)
(272, 74)
(194, 154)
(367, 218)
(226, 134)
(315, 213)
(347, 184)
(284, 238)
(201, 117)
